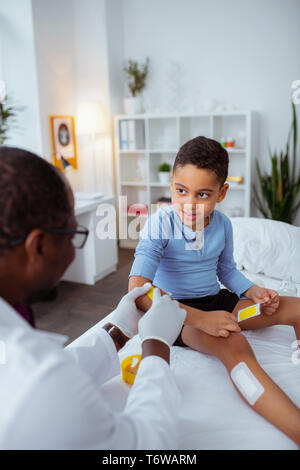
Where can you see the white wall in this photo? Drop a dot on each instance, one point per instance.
(54, 44)
(18, 70)
(239, 52)
(242, 53)
(73, 67)
(91, 55)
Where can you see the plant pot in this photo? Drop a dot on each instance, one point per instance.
(133, 105)
(164, 177)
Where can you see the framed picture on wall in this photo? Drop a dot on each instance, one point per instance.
(63, 142)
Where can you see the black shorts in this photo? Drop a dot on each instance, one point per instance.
(224, 300)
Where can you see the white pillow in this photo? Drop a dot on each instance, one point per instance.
(267, 246)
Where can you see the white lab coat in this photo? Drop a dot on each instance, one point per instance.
(50, 396)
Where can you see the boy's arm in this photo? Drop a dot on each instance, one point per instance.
(216, 323)
(227, 271)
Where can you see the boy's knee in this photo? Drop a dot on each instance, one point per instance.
(236, 347)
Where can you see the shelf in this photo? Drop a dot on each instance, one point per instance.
(238, 186)
(166, 150)
(143, 216)
(163, 151)
(132, 183)
(156, 138)
(162, 185)
(234, 150)
(132, 151)
(242, 112)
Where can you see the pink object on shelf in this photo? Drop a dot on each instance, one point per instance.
(137, 209)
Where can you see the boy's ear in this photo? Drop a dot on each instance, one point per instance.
(223, 192)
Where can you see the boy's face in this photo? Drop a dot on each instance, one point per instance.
(195, 192)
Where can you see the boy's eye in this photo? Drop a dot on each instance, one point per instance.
(203, 195)
(179, 190)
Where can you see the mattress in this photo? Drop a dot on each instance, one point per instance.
(212, 414)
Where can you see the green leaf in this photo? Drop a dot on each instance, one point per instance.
(280, 188)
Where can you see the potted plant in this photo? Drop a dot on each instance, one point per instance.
(136, 76)
(8, 113)
(164, 173)
(280, 189)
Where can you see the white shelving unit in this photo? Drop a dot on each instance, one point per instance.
(151, 140)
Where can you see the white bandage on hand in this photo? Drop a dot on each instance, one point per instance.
(246, 382)
(163, 321)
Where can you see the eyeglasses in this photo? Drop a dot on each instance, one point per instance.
(79, 236)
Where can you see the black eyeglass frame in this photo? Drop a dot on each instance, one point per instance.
(58, 231)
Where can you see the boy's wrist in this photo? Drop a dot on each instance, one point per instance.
(247, 292)
(194, 317)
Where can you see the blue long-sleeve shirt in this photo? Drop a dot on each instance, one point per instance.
(168, 255)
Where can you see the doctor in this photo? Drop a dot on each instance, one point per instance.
(50, 395)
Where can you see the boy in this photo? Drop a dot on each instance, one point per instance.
(184, 250)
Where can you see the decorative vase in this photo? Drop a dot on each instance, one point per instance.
(133, 105)
(164, 177)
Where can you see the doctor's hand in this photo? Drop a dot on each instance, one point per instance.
(163, 321)
(126, 316)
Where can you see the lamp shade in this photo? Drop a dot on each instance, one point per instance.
(91, 118)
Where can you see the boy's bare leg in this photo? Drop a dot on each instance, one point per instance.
(273, 404)
(288, 313)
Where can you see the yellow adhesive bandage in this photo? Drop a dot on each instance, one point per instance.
(129, 367)
(249, 312)
(150, 293)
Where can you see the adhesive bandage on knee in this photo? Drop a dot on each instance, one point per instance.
(246, 382)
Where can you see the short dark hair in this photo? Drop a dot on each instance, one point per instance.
(204, 153)
(32, 195)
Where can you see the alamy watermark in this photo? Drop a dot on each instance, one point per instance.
(177, 223)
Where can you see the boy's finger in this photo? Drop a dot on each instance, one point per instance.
(233, 327)
(224, 333)
(273, 293)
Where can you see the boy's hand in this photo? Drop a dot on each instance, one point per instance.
(219, 323)
(267, 298)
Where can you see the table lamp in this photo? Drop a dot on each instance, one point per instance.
(92, 120)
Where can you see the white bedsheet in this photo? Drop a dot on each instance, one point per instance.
(213, 415)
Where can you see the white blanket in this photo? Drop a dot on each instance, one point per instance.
(213, 415)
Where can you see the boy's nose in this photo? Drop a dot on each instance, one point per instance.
(192, 204)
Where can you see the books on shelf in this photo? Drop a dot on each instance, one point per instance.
(131, 135)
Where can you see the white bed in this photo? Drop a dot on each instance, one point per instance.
(213, 416)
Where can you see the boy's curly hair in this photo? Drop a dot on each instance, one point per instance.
(32, 195)
(204, 153)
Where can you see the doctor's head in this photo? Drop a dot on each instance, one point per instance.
(199, 179)
(36, 207)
